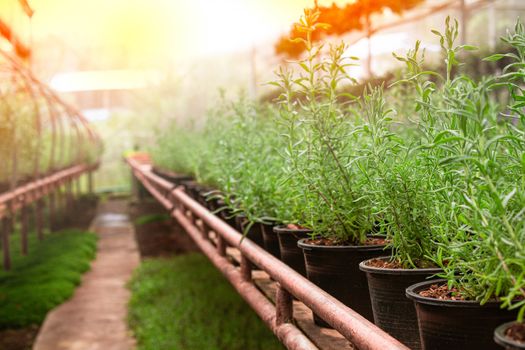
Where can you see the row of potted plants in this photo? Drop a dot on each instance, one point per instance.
(373, 197)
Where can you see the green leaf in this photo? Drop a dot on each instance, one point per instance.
(494, 58)
(508, 197)
(469, 48)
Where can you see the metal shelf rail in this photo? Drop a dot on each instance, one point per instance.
(20, 199)
(201, 224)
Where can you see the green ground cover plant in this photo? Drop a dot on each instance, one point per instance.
(45, 278)
(205, 313)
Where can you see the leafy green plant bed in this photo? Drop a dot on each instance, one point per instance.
(45, 278)
(185, 303)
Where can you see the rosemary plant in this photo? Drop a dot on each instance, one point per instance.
(477, 154)
(401, 187)
(177, 150)
(321, 179)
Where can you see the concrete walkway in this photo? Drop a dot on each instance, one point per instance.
(95, 317)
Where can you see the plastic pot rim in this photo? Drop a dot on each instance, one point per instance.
(412, 292)
(166, 172)
(307, 246)
(284, 229)
(363, 266)
(501, 339)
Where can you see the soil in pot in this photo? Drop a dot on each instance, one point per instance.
(448, 322)
(291, 254)
(393, 312)
(271, 241)
(335, 269)
(511, 335)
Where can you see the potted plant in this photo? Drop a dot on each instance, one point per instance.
(257, 179)
(511, 246)
(403, 189)
(406, 184)
(320, 148)
(290, 206)
(481, 156)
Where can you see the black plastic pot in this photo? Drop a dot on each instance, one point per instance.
(239, 222)
(393, 312)
(271, 241)
(456, 324)
(254, 232)
(226, 213)
(501, 339)
(212, 203)
(209, 198)
(291, 254)
(192, 188)
(202, 195)
(335, 269)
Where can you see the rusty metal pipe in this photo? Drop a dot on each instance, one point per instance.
(349, 323)
(33, 186)
(52, 211)
(284, 305)
(221, 246)
(246, 268)
(78, 188)
(287, 333)
(20, 198)
(38, 188)
(90, 182)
